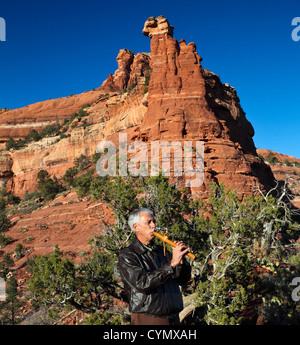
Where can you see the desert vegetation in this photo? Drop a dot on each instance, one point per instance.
(246, 249)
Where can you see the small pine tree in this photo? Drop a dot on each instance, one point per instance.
(69, 176)
(34, 135)
(47, 186)
(10, 308)
(11, 144)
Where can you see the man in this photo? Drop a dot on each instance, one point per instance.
(151, 279)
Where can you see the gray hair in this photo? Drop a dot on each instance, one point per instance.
(134, 216)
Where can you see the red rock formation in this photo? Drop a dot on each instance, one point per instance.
(5, 169)
(284, 168)
(182, 102)
(18, 123)
(130, 68)
(187, 103)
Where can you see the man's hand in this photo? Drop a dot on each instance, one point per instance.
(178, 252)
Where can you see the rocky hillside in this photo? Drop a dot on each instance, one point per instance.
(164, 95)
(283, 167)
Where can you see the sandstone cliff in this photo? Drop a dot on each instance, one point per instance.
(187, 103)
(164, 95)
(17, 123)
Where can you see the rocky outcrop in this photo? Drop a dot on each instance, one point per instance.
(5, 169)
(187, 103)
(19, 168)
(164, 95)
(157, 26)
(130, 69)
(284, 168)
(18, 123)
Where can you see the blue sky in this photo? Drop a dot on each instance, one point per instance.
(55, 48)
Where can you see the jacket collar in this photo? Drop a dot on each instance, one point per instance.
(138, 247)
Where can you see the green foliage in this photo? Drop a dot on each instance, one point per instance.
(104, 319)
(34, 135)
(50, 130)
(6, 265)
(82, 111)
(120, 194)
(168, 203)
(69, 176)
(7, 198)
(29, 196)
(96, 274)
(83, 183)
(10, 309)
(288, 163)
(277, 306)
(13, 199)
(271, 159)
(47, 186)
(82, 162)
(11, 144)
(2, 204)
(228, 236)
(5, 224)
(58, 283)
(294, 260)
(19, 251)
(232, 228)
(53, 279)
(147, 80)
(96, 157)
(4, 240)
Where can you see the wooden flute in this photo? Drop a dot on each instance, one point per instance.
(164, 238)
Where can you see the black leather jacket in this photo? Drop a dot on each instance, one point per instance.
(152, 287)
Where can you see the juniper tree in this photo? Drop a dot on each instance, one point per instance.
(58, 283)
(48, 187)
(10, 313)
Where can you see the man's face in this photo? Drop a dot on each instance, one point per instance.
(144, 229)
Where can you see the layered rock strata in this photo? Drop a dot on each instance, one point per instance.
(164, 95)
(17, 123)
(187, 103)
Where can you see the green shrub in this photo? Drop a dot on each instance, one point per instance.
(271, 159)
(83, 183)
(47, 186)
(5, 223)
(4, 240)
(11, 144)
(19, 251)
(34, 135)
(82, 162)
(50, 130)
(29, 196)
(69, 176)
(104, 319)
